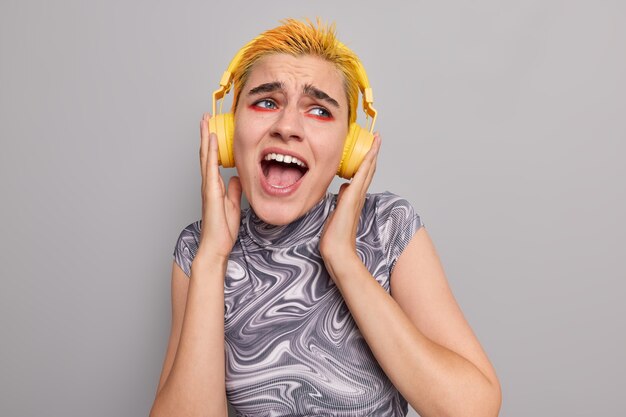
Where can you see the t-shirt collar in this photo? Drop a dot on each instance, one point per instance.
(301, 230)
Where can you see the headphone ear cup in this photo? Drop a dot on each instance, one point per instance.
(223, 125)
(358, 142)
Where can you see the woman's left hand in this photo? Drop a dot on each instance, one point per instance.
(338, 240)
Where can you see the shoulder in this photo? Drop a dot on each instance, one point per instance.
(188, 242)
(187, 246)
(389, 207)
(395, 220)
(190, 235)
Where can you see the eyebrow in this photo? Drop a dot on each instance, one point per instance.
(266, 88)
(308, 89)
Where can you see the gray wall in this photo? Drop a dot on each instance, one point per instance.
(502, 122)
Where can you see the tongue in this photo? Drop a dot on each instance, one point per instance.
(280, 175)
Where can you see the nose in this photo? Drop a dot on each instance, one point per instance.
(288, 124)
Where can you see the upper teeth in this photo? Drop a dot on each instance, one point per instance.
(288, 159)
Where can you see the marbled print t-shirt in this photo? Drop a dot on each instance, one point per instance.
(292, 347)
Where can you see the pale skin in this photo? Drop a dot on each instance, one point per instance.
(418, 334)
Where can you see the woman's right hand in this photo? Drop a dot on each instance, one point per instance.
(221, 209)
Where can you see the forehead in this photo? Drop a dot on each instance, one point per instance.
(296, 72)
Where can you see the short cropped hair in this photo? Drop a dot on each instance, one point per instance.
(298, 38)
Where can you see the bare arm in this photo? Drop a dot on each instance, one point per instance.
(419, 336)
(179, 289)
(192, 382)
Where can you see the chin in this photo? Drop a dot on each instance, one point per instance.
(276, 219)
(278, 211)
(281, 204)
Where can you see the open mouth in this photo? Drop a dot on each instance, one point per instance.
(282, 171)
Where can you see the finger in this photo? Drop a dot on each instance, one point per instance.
(212, 169)
(342, 189)
(234, 192)
(372, 157)
(222, 188)
(363, 176)
(349, 204)
(204, 145)
(232, 205)
(347, 210)
(372, 154)
(369, 157)
(365, 173)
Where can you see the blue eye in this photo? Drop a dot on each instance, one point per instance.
(320, 112)
(265, 104)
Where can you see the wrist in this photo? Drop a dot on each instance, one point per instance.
(209, 260)
(335, 252)
(342, 263)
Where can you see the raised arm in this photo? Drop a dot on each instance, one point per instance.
(192, 382)
(419, 336)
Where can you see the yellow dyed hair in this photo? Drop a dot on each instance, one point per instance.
(297, 38)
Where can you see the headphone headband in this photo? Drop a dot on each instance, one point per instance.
(363, 82)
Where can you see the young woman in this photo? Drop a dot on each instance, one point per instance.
(310, 303)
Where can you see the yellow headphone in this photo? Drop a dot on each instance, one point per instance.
(358, 141)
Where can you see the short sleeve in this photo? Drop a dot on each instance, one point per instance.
(187, 247)
(397, 222)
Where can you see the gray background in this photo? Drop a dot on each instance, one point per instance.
(502, 122)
